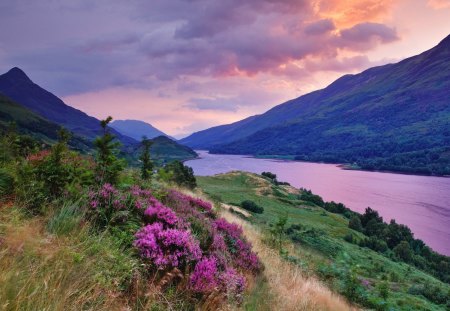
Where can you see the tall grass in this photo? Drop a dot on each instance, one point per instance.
(42, 271)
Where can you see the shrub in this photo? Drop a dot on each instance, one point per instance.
(403, 251)
(6, 183)
(147, 165)
(355, 224)
(179, 174)
(252, 207)
(383, 290)
(108, 165)
(166, 248)
(308, 196)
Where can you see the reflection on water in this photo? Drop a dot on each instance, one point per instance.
(421, 202)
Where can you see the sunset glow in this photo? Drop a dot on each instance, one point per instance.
(184, 66)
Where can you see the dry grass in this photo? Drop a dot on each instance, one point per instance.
(290, 288)
(40, 271)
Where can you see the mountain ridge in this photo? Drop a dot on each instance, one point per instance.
(377, 119)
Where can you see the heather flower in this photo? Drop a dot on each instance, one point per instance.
(232, 282)
(204, 277)
(161, 214)
(94, 203)
(166, 247)
(233, 230)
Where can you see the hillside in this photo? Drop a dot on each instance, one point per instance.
(16, 85)
(136, 129)
(320, 243)
(165, 150)
(392, 117)
(31, 124)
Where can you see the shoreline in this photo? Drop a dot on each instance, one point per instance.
(343, 166)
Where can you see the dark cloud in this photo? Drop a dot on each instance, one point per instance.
(86, 46)
(320, 27)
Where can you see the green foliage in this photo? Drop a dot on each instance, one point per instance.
(179, 174)
(383, 290)
(108, 165)
(278, 231)
(66, 219)
(252, 207)
(6, 183)
(147, 165)
(308, 196)
(355, 223)
(52, 171)
(403, 251)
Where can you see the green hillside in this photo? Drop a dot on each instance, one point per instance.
(317, 241)
(31, 124)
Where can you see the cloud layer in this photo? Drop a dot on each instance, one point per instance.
(222, 59)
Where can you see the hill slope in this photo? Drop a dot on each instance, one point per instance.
(31, 124)
(393, 117)
(16, 85)
(136, 129)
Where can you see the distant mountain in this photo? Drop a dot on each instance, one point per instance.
(16, 85)
(392, 117)
(29, 123)
(137, 129)
(165, 150)
(41, 114)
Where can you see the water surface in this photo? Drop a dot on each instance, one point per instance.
(420, 202)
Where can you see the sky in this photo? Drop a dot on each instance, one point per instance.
(187, 65)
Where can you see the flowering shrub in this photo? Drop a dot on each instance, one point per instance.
(159, 212)
(180, 232)
(204, 278)
(166, 247)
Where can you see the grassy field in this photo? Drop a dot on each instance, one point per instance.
(316, 245)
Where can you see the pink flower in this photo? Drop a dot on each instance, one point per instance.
(204, 277)
(166, 247)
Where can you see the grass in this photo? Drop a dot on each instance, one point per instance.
(320, 249)
(74, 270)
(285, 285)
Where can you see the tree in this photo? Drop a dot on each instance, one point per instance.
(147, 164)
(108, 165)
(180, 174)
(370, 214)
(252, 207)
(403, 251)
(355, 223)
(53, 172)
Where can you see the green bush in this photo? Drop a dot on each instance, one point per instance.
(252, 207)
(6, 183)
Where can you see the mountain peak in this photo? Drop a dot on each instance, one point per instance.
(17, 74)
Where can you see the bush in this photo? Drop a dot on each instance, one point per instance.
(6, 183)
(308, 196)
(252, 207)
(355, 224)
(179, 174)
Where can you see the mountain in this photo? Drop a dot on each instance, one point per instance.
(29, 123)
(136, 129)
(391, 117)
(16, 85)
(41, 114)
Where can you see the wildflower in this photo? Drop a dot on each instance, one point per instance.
(204, 277)
(166, 247)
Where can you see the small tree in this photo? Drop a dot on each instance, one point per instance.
(108, 165)
(383, 290)
(403, 251)
(147, 164)
(355, 223)
(278, 231)
(180, 174)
